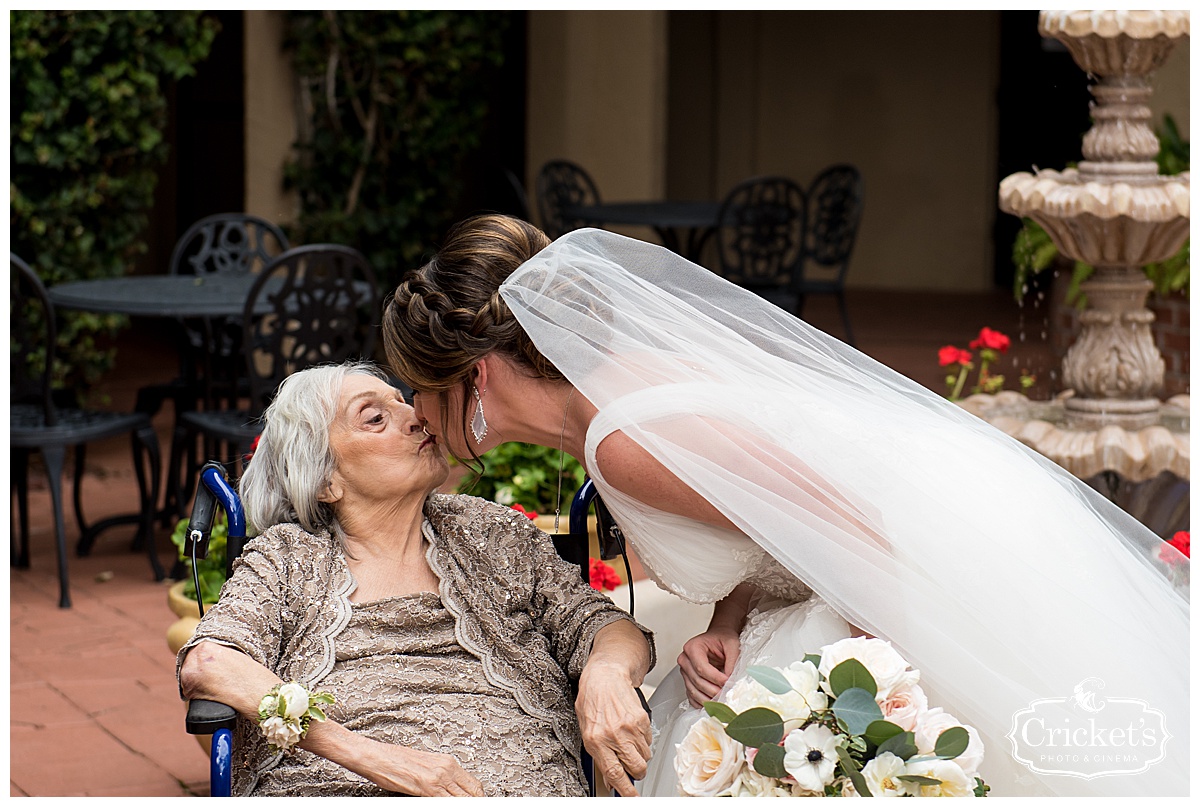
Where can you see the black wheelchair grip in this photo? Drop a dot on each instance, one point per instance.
(205, 717)
(200, 524)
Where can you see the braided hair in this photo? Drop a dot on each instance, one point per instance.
(447, 315)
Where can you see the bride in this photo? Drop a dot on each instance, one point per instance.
(811, 493)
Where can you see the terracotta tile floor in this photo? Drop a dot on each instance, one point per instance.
(95, 710)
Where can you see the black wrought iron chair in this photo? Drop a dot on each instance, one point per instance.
(38, 423)
(835, 205)
(311, 305)
(520, 196)
(760, 237)
(224, 243)
(561, 186)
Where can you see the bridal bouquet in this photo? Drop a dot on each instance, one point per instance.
(851, 721)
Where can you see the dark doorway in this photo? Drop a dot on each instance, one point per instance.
(1043, 114)
(205, 168)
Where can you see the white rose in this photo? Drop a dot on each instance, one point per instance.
(954, 782)
(295, 700)
(887, 667)
(929, 727)
(810, 757)
(280, 733)
(793, 707)
(752, 783)
(881, 774)
(904, 706)
(846, 787)
(268, 704)
(707, 761)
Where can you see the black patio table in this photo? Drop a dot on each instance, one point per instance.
(166, 296)
(666, 218)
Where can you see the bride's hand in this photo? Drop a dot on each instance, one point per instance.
(706, 662)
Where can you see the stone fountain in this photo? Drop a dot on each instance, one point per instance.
(1118, 214)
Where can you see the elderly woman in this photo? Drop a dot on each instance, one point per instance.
(445, 627)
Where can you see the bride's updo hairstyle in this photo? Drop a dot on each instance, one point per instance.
(447, 315)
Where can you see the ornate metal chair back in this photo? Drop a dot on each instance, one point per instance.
(836, 205)
(561, 186)
(315, 304)
(760, 232)
(227, 242)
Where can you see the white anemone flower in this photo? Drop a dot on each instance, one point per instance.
(810, 756)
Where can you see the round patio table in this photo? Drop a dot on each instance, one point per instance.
(667, 219)
(170, 296)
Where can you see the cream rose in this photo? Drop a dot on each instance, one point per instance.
(280, 733)
(929, 727)
(887, 667)
(954, 782)
(269, 704)
(792, 707)
(752, 783)
(904, 706)
(881, 774)
(707, 761)
(294, 699)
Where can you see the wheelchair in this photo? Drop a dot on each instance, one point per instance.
(214, 489)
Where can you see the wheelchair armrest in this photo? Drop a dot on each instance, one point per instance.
(205, 717)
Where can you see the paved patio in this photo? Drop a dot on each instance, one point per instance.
(94, 705)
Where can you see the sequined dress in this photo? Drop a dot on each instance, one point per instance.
(481, 670)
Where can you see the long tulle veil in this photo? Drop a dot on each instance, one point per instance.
(1003, 578)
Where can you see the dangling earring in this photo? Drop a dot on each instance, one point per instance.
(479, 422)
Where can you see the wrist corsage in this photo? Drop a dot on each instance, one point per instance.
(284, 713)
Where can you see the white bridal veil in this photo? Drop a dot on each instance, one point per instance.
(1005, 580)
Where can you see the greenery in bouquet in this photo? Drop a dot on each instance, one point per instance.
(212, 567)
(849, 721)
(525, 474)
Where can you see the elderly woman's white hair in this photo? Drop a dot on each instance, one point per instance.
(293, 463)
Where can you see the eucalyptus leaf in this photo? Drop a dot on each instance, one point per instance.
(720, 711)
(851, 673)
(813, 658)
(857, 708)
(952, 742)
(756, 727)
(881, 730)
(771, 678)
(903, 745)
(769, 761)
(915, 779)
(850, 768)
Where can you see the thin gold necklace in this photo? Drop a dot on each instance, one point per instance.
(562, 459)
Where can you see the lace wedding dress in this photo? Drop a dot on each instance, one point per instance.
(1002, 578)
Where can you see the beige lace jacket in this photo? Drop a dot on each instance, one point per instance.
(518, 607)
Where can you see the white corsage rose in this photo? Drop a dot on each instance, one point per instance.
(887, 667)
(707, 761)
(929, 727)
(904, 706)
(954, 782)
(294, 699)
(881, 775)
(811, 756)
(282, 734)
(793, 707)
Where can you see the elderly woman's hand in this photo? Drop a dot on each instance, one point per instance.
(615, 726)
(417, 773)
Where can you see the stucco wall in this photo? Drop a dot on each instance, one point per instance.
(270, 117)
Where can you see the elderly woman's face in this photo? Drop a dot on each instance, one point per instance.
(381, 450)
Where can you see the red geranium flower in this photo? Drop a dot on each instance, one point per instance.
(991, 340)
(1181, 541)
(952, 355)
(253, 448)
(603, 577)
(532, 515)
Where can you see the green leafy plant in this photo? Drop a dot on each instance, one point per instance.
(1033, 250)
(212, 567)
(525, 474)
(88, 108)
(394, 101)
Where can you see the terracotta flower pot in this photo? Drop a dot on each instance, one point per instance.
(180, 605)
